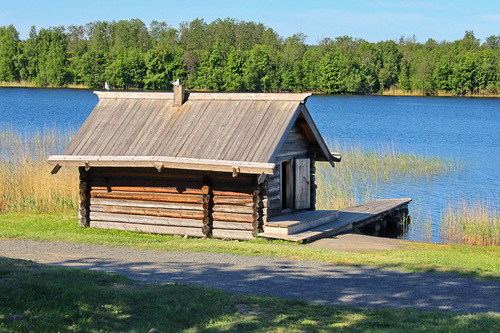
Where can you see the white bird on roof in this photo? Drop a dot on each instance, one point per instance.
(176, 82)
(107, 86)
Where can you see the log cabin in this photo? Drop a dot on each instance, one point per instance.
(195, 164)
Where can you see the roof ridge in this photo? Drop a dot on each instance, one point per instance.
(204, 96)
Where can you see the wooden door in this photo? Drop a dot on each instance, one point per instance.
(302, 183)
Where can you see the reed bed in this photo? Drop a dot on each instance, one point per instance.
(363, 172)
(395, 91)
(26, 183)
(471, 223)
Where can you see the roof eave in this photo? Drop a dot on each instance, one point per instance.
(161, 162)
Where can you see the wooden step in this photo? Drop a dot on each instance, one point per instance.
(344, 221)
(299, 221)
(326, 230)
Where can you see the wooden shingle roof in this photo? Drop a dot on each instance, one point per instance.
(210, 131)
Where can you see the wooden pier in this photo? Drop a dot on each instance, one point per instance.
(311, 225)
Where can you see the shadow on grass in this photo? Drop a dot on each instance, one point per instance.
(48, 299)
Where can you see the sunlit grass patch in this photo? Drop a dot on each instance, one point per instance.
(41, 298)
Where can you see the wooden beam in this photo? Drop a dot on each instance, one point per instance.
(165, 162)
(175, 190)
(162, 197)
(300, 97)
(151, 220)
(157, 229)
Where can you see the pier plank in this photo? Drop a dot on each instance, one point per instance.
(358, 215)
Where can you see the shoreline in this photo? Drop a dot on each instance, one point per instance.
(390, 92)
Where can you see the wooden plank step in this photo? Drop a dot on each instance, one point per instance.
(347, 218)
(299, 221)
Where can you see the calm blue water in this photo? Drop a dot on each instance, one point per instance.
(465, 129)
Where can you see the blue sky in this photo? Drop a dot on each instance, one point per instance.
(371, 20)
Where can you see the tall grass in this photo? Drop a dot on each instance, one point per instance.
(363, 172)
(395, 91)
(26, 183)
(471, 223)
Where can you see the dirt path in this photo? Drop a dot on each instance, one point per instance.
(312, 281)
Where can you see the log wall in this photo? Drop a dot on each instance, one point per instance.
(191, 203)
(236, 215)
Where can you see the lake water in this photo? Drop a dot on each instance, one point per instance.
(465, 129)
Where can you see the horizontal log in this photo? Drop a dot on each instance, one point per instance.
(152, 220)
(233, 217)
(162, 197)
(274, 203)
(232, 234)
(171, 181)
(241, 187)
(273, 180)
(273, 188)
(295, 137)
(175, 190)
(232, 225)
(176, 213)
(156, 229)
(234, 209)
(147, 204)
(230, 193)
(227, 200)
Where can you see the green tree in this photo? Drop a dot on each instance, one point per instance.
(9, 53)
(292, 73)
(52, 57)
(390, 60)
(127, 70)
(233, 71)
(259, 70)
(210, 74)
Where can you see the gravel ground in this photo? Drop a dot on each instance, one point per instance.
(311, 281)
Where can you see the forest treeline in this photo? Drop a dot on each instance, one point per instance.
(232, 55)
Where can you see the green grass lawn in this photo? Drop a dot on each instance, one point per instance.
(473, 261)
(41, 298)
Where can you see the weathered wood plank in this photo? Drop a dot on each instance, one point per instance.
(302, 183)
(232, 225)
(232, 234)
(234, 209)
(175, 213)
(156, 229)
(348, 217)
(221, 129)
(167, 162)
(146, 204)
(178, 190)
(163, 197)
(282, 121)
(227, 200)
(152, 220)
(231, 193)
(233, 217)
